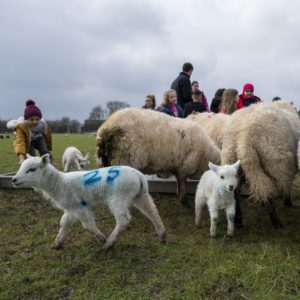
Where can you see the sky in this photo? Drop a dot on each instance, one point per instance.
(70, 56)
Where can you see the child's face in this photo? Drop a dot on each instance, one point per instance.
(248, 93)
(33, 121)
(172, 97)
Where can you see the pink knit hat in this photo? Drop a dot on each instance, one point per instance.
(31, 110)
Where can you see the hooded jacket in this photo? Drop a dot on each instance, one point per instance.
(23, 135)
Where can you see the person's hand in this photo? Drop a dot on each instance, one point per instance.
(21, 158)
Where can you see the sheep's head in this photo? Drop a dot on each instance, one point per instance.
(31, 171)
(83, 161)
(227, 176)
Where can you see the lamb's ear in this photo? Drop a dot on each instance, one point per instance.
(28, 155)
(45, 159)
(87, 155)
(237, 164)
(213, 167)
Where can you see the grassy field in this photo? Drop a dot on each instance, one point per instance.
(258, 263)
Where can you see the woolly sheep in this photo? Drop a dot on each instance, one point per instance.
(216, 190)
(77, 193)
(213, 124)
(72, 157)
(153, 143)
(264, 138)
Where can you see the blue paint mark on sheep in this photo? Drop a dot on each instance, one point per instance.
(113, 172)
(91, 178)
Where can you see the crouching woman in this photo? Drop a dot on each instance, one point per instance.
(31, 133)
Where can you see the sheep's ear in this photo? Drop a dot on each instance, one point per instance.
(87, 155)
(213, 167)
(237, 164)
(45, 159)
(28, 155)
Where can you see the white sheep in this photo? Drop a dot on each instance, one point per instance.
(216, 190)
(264, 138)
(155, 143)
(77, 193)
(72, 157)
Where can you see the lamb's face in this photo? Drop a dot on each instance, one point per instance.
(227, 176)
(30, 172)
(84, 161)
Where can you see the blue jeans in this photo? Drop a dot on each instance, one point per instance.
(40, 145)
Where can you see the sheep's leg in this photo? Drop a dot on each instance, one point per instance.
(78, 165)
(199, 204)
(288, 200)
(88, 222)
(181, 191)
(147, 207)
(230, 212)
(122, 217)
(271, 208)
(65, 221)
(214, 216)
(238, 218)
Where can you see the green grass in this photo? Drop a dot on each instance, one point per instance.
(257, 263)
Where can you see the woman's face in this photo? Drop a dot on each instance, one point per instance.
(33, 121)
(148, 102)
(248, 93)
(195, 87)
(172, 97)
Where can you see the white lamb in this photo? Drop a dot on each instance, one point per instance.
(72, 157)
(77, 193)
(216, 189)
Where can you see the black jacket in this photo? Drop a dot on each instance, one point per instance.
(193, 106)
(215, 105)
(182, 86)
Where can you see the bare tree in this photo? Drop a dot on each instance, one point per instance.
(97, 113)
(115, 105)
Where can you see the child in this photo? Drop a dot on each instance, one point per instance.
(169, 104)
(195, 106)
(149, 102)
(31, 133)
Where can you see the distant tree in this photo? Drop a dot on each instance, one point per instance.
(64, 125)
(92, 125)
(75, 126)
(115, 105)
(3, 127)
(97, 113)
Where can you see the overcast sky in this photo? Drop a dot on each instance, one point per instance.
(72, 55)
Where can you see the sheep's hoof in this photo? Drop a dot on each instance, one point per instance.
(107, 246)
(57, 246)
(101, 238)
(162, 238)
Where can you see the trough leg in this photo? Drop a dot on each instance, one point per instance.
(272, 210)
(65, 221)
(147, 207)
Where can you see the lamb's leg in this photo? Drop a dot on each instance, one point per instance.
(214, 216)
(122, 216)
(230, 212)
(67, 167)
(147, 207)
(271, 208)
(199, 204)
(88, 222)
(65, 221)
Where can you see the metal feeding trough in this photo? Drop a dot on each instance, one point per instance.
(156, 185)
(5, 180)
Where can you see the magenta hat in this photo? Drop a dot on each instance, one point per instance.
(31, 110)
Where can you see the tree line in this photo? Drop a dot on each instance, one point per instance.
(96, 117)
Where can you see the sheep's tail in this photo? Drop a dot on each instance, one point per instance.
(261, 185)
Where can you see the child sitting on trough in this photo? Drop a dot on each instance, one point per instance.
(216, 190)
(31, 133)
